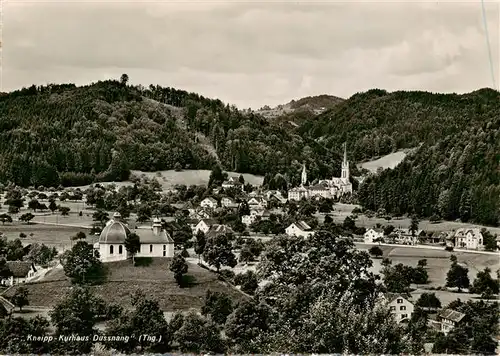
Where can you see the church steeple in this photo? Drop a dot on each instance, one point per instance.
(303, 180)
(345, 166)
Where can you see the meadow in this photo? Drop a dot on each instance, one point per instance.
(123, 279)
(438, 264)
(341, 211)
(388, 161)
(51, 235)
(169, 179)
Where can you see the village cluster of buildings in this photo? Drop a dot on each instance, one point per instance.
(329, 188)
(463, 238)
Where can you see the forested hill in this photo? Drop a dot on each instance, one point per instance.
(63, 134)
(455, 174)
(376, 123)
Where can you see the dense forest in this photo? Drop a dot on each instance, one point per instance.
(63, 134)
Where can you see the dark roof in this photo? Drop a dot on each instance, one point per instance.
(115, 231)
(218, 229)
(393, 296)
(451, 314)
(20, 269)
(302, 225)
(147, 236)
(209, 222)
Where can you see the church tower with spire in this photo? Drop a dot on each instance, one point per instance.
(345, 166)
(303, 180)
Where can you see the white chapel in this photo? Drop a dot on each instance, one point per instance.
(155, 242)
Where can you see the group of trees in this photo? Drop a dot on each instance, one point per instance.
(78, 137)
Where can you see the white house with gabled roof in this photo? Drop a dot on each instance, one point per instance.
(299, 228)
(471, 239)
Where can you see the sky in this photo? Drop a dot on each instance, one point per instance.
(253, 53)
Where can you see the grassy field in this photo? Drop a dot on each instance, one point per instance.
(168, 179)
(341, 211)
(438, 264)
(388, 161)
(124, 279)
(51, 235)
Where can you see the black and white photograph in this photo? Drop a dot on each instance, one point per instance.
(226, 177)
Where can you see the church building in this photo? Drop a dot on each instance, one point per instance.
(329, 188)
(155, 242)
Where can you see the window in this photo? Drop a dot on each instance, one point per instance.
(400, 301)
(404, 316)
(164, 247)
(111, 249)
(150, 248)
(120, 249)
(393, 308)
(402, 307)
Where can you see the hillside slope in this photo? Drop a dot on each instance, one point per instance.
(311, 104)
(376, 123)
(63, 134)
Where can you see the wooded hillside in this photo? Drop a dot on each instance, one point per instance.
(77, 135)
(455, 174)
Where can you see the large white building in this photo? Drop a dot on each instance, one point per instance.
(471, 239)
(329, 188)
(155, 242)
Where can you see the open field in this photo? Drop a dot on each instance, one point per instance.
(438, 264)
(168, 179)
(51, 235)
(124, 279)
(388, 161)
(341, 211)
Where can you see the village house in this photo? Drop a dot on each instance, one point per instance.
(228, 202)
(248, 219)
(449, 318)
(155, 242)
(192, 224)
(405, 236)
(400, 306)
(265, 215)
(218, 229)
(209, 202)
(373, 235)
(471, 239)
(233, 182)
(299, 228)
(203, 225)
(199, 213)
(257, 203)
(21, 272)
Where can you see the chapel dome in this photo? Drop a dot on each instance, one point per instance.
(115, 231)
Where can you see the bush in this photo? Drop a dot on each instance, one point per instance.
(448, 248)
(226, 274)
(184, 253)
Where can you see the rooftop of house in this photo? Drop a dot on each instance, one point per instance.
(208, 222)
(210, 199)
(451, 314)
(302, 225)
(218, 229)
(148, 236)
(20, 269)
(376, 229)
(462, 232)
(390, 297)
